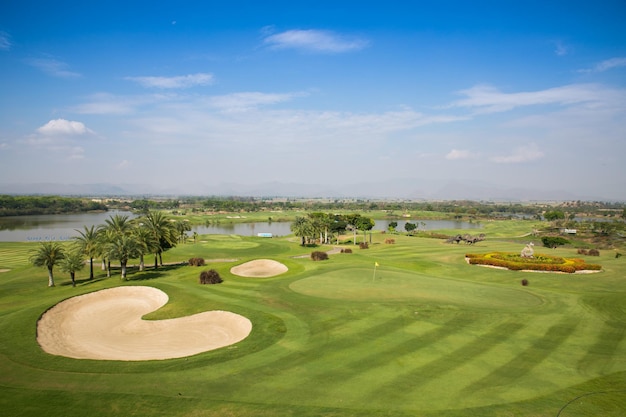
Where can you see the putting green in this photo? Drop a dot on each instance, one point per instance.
(227, 242)
(361, 284)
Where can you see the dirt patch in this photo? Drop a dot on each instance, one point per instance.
(4, 270)
(260, 268)
(108, 325)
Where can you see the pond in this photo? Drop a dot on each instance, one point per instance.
(59, 227)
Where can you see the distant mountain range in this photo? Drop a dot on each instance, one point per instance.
(401, 189)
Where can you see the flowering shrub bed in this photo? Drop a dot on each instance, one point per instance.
(539, 262)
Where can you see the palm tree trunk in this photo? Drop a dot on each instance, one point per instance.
(108, 268)
(90, 268)
(50, 278)
(123, 267)
(73, 277)
(141, 263)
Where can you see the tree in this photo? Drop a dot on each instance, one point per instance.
(553, 241)
(88, 243)
(182, 226)
(163, 232)
(147, 243)
(554, 215)
(72, 262)
(364, 224)
(48, 254)
(301, 228)
(320, 223)
(392, 226)
(123, 247)
(410, 227)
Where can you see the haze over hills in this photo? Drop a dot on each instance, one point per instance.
(407, 189)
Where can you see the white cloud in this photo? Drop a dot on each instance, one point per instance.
(53, 67)
(181, 81)
(104, 103)
(560, 49)
(315, 40)
(249, 100)
(607, 65)
(5, 41)
(487, 99)
(63, 127)
(122, 165)
(456, 154)
(522, 154)
(76, 152)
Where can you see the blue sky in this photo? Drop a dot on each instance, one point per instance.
(184, 97)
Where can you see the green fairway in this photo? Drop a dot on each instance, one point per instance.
(404, 329)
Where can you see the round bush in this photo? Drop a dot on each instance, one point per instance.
(210, 277)
(196, 261)
(319, 256)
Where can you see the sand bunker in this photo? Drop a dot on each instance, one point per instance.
(260, 268)
(107, 325)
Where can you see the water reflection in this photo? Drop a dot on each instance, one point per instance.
(57, 227)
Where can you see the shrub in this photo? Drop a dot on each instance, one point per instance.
(583, 252)
(210, 277)
(553, 241)
(524, 282)
(346, 250)
(196, 261)
(594, 252)
(390, 241)
(319, 256)
(363, 245)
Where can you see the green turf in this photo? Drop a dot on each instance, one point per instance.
(425, 334)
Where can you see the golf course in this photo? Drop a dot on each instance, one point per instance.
(401, 328)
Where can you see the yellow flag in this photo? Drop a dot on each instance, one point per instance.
(376, 264)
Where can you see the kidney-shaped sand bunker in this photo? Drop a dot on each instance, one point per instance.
(259, 268)
(108, 325)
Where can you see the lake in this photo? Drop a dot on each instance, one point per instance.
(59, 227)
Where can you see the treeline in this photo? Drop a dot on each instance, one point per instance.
(458, 208)
(26, 205)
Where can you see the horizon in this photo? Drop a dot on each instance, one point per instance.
(431, 100)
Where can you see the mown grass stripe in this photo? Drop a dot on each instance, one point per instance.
(415, 378)
(374, 360)
(602, 353)
(524, 362)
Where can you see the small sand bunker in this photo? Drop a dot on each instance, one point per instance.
(260, 268)
(107, 325)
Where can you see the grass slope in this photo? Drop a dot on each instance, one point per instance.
(426, 335)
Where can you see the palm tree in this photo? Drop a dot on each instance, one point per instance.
(88, 243)
(72, 262)
(163, 232)
(300, 227)
(182, 226)
(118, 224)
(48, 254)
(146, 241)
(123, 247)
(115, 227)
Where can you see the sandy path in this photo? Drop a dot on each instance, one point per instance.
(260, 268)
(107, 325)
